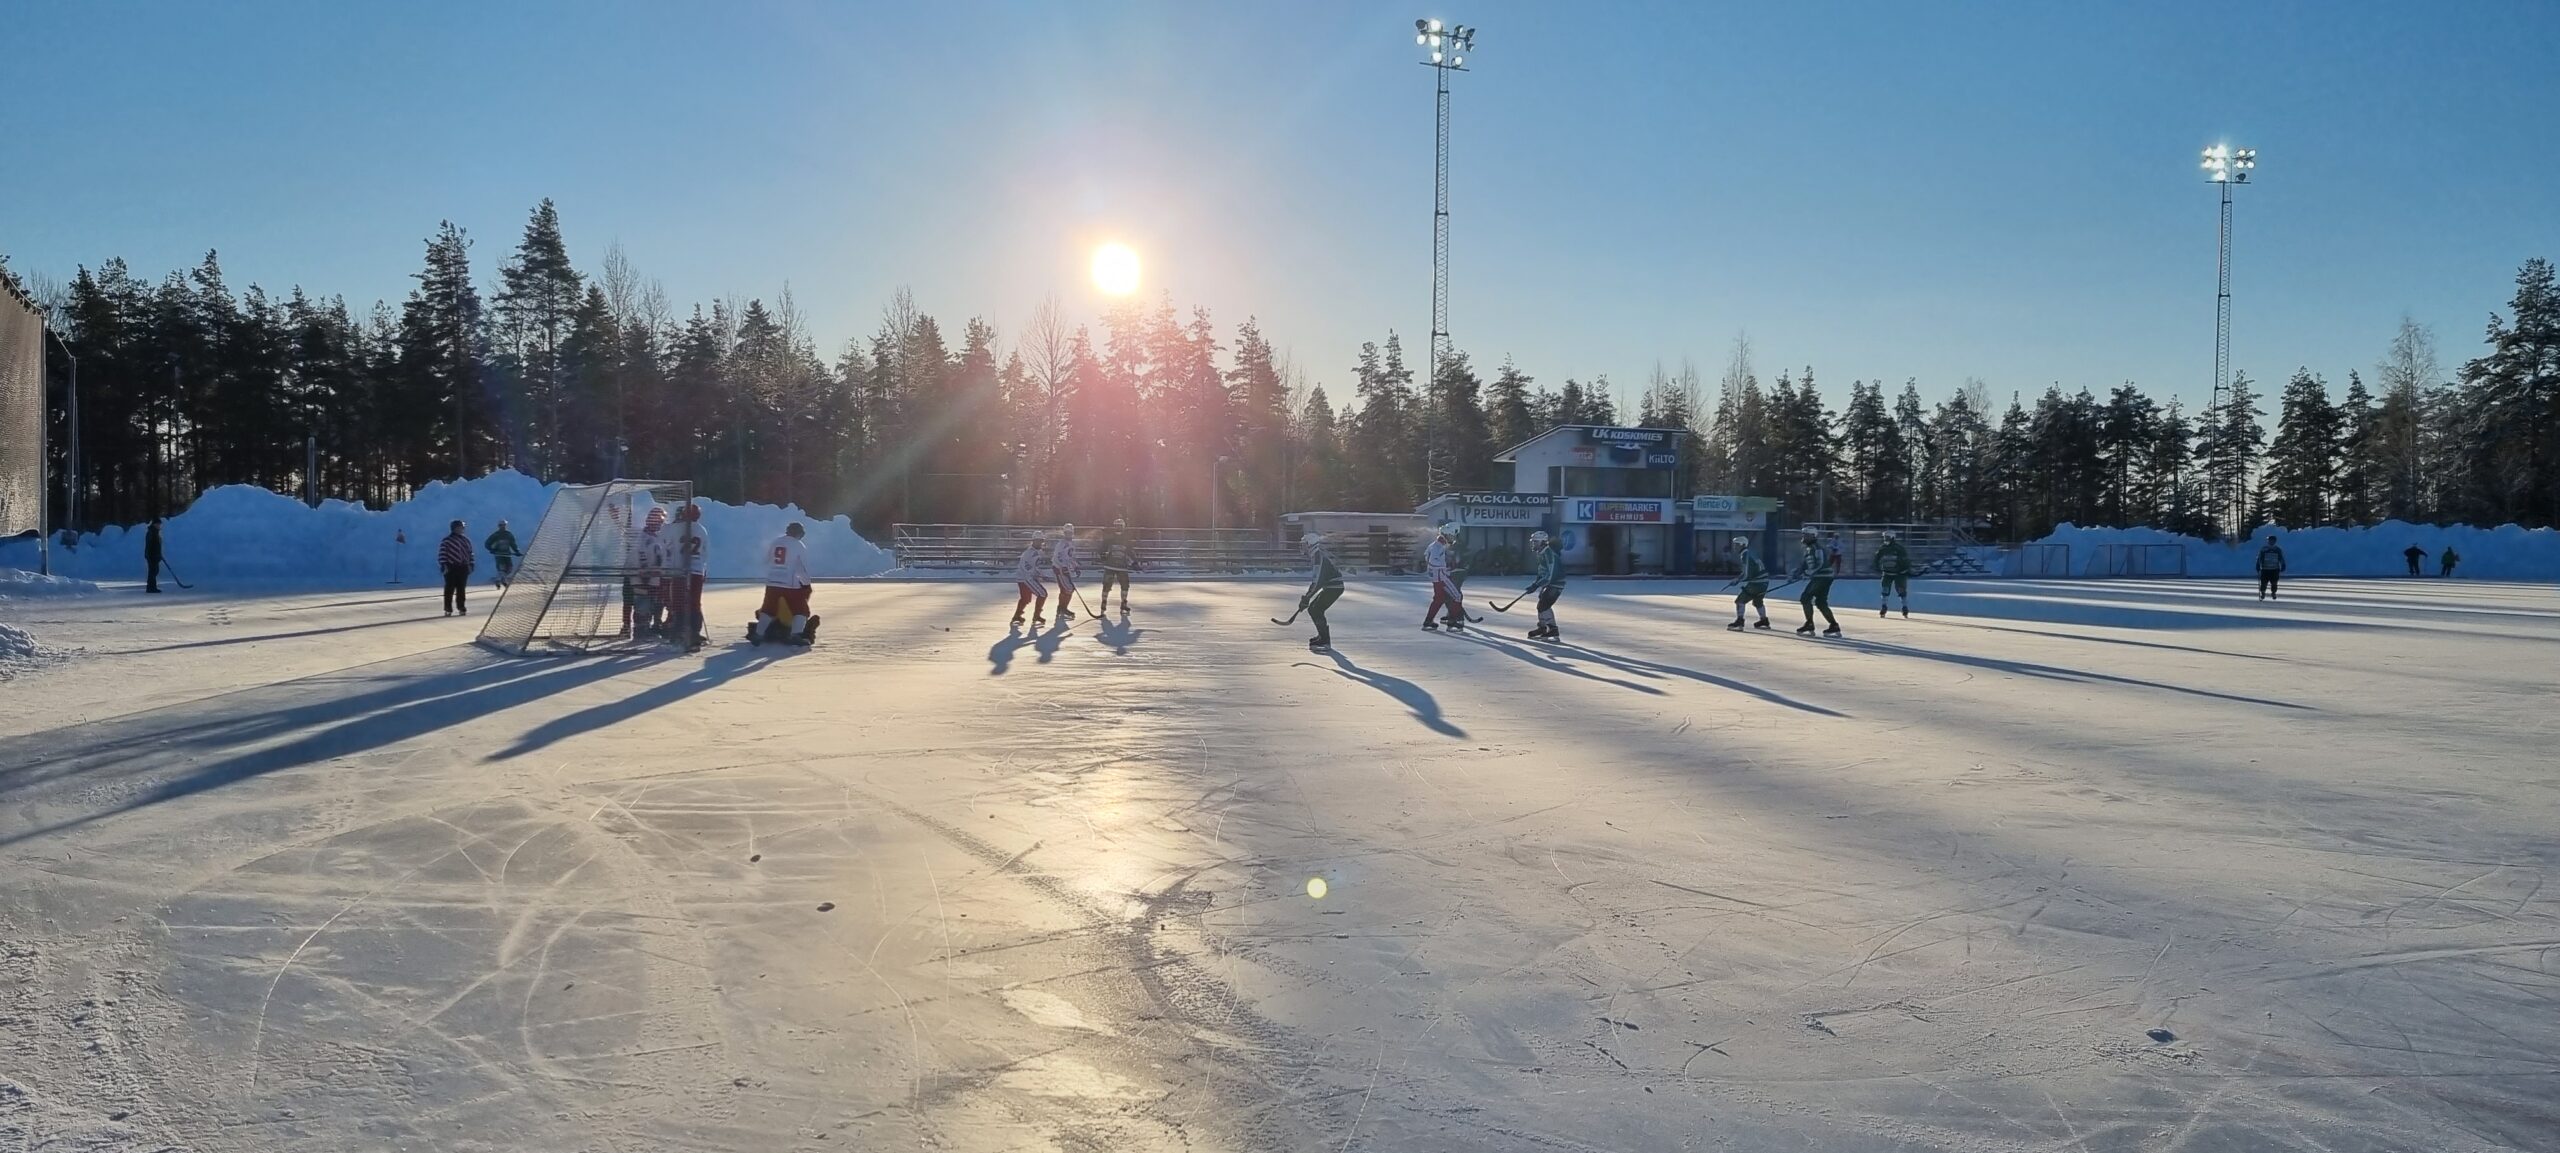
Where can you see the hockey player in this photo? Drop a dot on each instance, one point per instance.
(650, 558)
(1063, 568)
(2270, 567)
(151, 560)
(1894, 562)
(2450, 559)
(1755, 585)
(503, 552)
(1549, 584)
(1323, 588)
(453, 555)
(1436, 557)
(1027, 571)
(1118, 561)
(692, 565)
(2415, 555)
(1817, 572)
(786, 615)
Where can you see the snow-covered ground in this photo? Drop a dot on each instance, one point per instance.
(2056, 865)
(241, 534)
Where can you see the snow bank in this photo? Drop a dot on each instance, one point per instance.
(2508, 552)
(18, 583)
(245, 534)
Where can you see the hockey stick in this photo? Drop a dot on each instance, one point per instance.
(174, 577)
(1293, 617)
(1504, 608)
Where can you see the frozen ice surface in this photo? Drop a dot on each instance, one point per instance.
(310, 872)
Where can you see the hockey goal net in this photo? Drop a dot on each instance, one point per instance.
(582, 585)
(2137, 560)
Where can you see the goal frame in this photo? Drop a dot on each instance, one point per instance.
(586, 551)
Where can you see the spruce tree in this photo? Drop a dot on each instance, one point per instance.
(2302, 463)
(1507, 407)
(2362, 470)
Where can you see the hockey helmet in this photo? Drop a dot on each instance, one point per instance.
(1809, 534)
(657, 518)
(1067, 530)
(794, 529)
(1889, 534)
(1742, 542)
(1312, 541)
(1448, 532)
(1539, 538)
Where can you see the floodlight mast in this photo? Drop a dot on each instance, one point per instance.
(1448, 47)
(2226, 167)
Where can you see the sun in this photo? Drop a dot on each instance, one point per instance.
(1115, 269)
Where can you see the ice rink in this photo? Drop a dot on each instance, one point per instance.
(2053, 866)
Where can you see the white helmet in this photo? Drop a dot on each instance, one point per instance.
(1448, 530)
(1742, 542)
(1889, 534)
(1068, 529)
(1539, 538)
(1312, 541)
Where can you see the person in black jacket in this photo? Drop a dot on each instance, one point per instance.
(2270, 566)
(151, 557)
(2415, 555)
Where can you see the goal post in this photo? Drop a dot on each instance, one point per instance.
(583, 567)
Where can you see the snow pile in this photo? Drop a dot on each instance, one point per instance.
(2508, 552)
(245, 534)
(17, 648)
(15, 582)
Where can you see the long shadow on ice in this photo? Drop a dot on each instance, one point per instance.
(1656, 668)
(121, 759)
(253, 638)
(2058, 673)
(1424, 706)
(1505, 647)
(727, 665)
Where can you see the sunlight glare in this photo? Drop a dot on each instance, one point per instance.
(1115, 269)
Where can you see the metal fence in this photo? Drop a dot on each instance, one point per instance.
(993, 548)
(22, 447)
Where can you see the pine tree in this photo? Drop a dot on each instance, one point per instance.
(2511, 395)
(2126, 430)
(2230, 452)
(443, 361)
(2363, 473)
(1262, 427)
(534, 312)
(1466, 438)
(1507, 408)
(2302, 463)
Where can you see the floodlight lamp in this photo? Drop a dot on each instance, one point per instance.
(1456, 61)
(1435, 25)
(1422, 26)
(1435, 55)
(1419, 38)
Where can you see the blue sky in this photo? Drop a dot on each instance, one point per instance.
(1878, 189)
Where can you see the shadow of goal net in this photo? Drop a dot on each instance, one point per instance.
(592, 578)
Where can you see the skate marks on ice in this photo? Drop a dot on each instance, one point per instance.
(62, 779)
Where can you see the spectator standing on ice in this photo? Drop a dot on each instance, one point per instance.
(785, 615)
(1063, 568)
(1324, 586)
(2270, 566)
(503, 552)
(1816, 573)
(1755, 585)
(454, 557)
(1117, 562)
(1027, 571)
(1894, 562)
(2451, 558)
(1444, 587)
(151, 557)
(2416, 555)
(693, 565)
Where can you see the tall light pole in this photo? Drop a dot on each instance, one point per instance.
(2226, 167)
(1448, 48)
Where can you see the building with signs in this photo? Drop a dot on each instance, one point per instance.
(1716, 520)
(1605, 493)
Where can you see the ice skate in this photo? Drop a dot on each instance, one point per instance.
(1736, 626)
(1762, 623)
(1805, 629)
(1833, 631)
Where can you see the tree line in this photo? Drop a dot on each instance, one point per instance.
(1162, 416)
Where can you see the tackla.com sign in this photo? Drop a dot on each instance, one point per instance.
(1502, 509)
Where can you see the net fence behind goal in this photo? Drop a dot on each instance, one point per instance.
(569, 591)
(22, 481)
